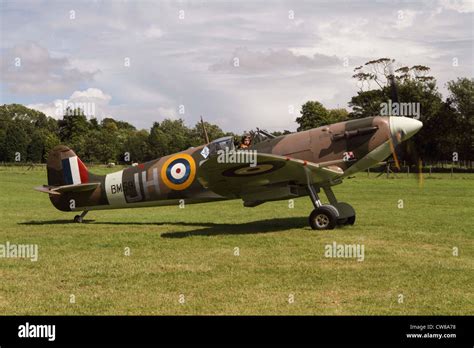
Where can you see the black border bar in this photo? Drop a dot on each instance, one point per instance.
(195, 330)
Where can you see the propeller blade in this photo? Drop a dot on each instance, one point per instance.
(406, 152)
(402, 150)
(420, 173)
(394, 154)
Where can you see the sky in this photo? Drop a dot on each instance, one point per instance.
(239, 64)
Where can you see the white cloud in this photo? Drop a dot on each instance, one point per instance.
(462, 6)
(244, 60)
(153, 32)
(93, 94)
(49, 109)
(30, 69)
(405, 19)
(92, 101)
(189, 62)
(167, 113)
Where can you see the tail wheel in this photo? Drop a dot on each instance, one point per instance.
(346, 221)
(351, 220)
(346, 213)
(323, 218)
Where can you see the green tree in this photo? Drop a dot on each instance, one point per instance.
(158, 141)
(15, 142)
(168, 137)
(313, 115)
(338, 115)
(73, 130)
(461, 104)
(50, 141)
(104, 144)
(74, 123)
(122, 125)
(414, 85)
(278, 133)
(367, 103)
(197, 134)
(36, 146)
(101, 146)
(461, 97)
(178, 135)
(40, 130)
(137, 145)
(374, 78)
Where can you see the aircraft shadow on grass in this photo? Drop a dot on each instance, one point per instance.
(203, 229)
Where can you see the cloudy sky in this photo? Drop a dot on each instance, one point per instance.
(240, 64)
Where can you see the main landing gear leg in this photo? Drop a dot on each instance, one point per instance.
(79, 218)
(323, 217)
(346, 212)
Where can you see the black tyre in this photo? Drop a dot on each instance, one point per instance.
(342, 221)
(351, 220)
(78, 219)
(346, 213)
(323, 218)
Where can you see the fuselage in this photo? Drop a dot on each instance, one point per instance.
(353, 146)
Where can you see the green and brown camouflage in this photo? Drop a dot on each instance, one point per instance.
(285, 166)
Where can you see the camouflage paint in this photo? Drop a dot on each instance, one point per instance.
(155, 184)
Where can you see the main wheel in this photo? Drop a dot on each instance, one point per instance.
(323, 218)
(78, 219)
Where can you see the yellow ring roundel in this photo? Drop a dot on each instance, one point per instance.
(178, 171)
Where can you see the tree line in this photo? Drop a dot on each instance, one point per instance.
(28, 135)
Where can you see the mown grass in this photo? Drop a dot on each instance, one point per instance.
(191, 251)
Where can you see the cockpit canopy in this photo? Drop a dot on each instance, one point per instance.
(260, 135)
(221, 144)
(256, 136)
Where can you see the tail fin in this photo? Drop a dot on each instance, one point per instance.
(66, 168)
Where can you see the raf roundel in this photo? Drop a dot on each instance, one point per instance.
(178, 171)
(259, 169)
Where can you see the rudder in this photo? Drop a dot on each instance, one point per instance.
(65, 167)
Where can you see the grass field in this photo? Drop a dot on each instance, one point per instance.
(190, 253)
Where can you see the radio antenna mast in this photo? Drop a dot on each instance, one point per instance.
(206, 137)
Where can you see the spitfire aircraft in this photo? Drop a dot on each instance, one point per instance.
(281, 168)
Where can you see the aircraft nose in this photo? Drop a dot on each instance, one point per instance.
(404, 127)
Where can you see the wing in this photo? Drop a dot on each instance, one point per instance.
(57, 190)
(272, 173)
